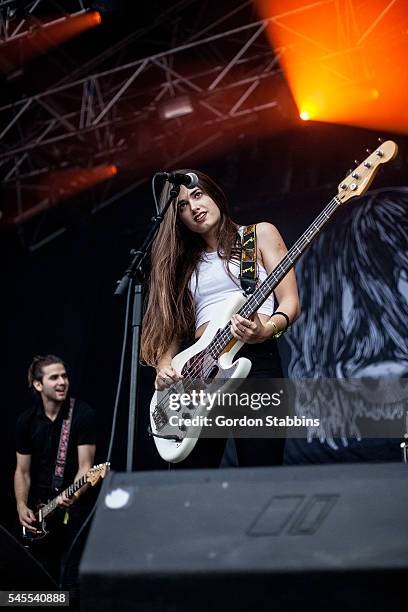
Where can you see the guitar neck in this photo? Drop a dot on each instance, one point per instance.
(69, 491)
(261, 294)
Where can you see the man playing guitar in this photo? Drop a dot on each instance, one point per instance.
(55, 446)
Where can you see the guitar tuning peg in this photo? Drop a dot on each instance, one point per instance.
(368, 150)
(380, 139)
(356, 162)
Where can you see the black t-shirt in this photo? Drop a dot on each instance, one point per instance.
(39, 437)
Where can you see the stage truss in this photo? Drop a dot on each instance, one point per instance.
(112, 108)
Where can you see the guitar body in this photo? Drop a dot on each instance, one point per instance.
(175, 451)
(41, 527)
(49, 514)
(45, 524)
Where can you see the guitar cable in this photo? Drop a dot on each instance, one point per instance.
(114, 421)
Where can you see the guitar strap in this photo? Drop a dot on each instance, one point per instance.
(248, 274)
(58, 477)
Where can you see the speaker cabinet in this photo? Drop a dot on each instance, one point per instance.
(323, 538)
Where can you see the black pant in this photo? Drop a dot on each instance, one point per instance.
(54, 551)
(251, 452)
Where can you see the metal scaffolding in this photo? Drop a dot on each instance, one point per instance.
(115, 113)
(14, 25)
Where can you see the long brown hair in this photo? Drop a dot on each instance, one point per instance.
(175, 254)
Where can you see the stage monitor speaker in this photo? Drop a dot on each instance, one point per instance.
(19, 570)
(324, 538)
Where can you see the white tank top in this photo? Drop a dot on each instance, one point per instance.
(214, 286)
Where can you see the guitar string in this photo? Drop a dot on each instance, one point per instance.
(248, 306)
(75, 486)
(329, 209)
(224, 335)
(53, 503)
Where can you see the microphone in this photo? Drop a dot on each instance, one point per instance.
(188, 179)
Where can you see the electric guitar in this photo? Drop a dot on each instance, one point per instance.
(211, 357)
(92, 476)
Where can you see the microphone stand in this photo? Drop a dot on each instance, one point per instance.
(134, 275)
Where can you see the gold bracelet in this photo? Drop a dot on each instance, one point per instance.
(276, 332)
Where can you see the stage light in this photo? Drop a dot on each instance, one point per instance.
(344, 77)
(72, 181)
(40, 38)
(176, 107)
(61, 185)
(304, 115)
(96, 18)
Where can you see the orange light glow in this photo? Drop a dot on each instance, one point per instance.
(61, 185)
(343, 65)
(96, 17)
(42, 38)
(304, 115)
(66, 183)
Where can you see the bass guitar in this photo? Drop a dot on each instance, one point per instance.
(93, 476)
(211, 358)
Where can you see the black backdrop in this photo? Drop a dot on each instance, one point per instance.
(59, 299)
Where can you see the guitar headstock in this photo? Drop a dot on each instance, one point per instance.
(356, 183)
(97, 472)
